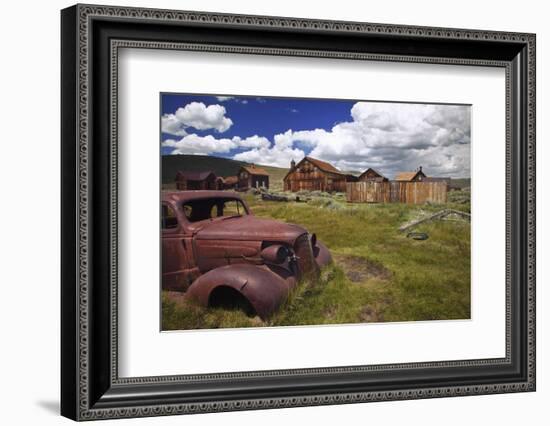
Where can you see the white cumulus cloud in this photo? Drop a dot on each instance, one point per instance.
(277, 157)
(391, 137)
(196, 115)
(194, 144)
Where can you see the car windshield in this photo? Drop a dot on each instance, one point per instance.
(210, 208)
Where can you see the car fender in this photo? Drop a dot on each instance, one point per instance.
(264, 288)
(322, 254)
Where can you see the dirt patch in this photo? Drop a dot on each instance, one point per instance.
(359, 269)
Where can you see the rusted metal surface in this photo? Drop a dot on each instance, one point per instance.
(307, 266)
(259, 259)
(397, 192)
(249, 228)
(176, 197)
(263, 288)
(322, 254)
(275, 254)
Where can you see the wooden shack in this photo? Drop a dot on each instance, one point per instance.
(252, 177)
(230, 182)
(351, 178)
(372, 175)
(408, 187)
(220, 183)
(311, 174)
(416, 176)
(186, 180)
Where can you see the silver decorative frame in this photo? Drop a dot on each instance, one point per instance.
(87, 404)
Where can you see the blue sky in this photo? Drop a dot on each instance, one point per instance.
(352, 135)
(264, 116)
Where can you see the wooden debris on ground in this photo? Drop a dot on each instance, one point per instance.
(266, 196)
(442, 214)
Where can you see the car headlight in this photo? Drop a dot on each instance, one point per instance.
(275, 253)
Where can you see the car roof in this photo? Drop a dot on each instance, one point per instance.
(180, 196)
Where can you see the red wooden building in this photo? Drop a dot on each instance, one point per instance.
(311, 174)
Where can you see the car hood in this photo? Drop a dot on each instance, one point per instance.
(249, 228)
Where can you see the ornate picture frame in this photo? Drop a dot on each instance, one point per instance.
(91, 38)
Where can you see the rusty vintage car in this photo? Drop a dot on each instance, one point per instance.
(220, 254)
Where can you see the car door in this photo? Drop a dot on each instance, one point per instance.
(176, 252)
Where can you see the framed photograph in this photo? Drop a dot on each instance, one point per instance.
(263, 212)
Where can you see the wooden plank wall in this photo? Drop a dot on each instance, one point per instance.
(314, 181)
(368, 192)
(396, 192)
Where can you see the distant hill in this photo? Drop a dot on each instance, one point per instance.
(460, 183)
(171, 164)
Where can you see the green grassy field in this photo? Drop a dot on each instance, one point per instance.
(378, 274)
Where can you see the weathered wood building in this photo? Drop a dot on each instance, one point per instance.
(372, 175)
(408, 187)
(416, 176)
(311, 174)
(420, 176)
(397, 192)
(196, 180)
(252, 177)
(230, 182)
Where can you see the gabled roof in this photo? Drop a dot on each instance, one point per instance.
(254, 170)
(323, 165)
(407, 176)
(373, 170)
(231, 180)
(197, 176)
